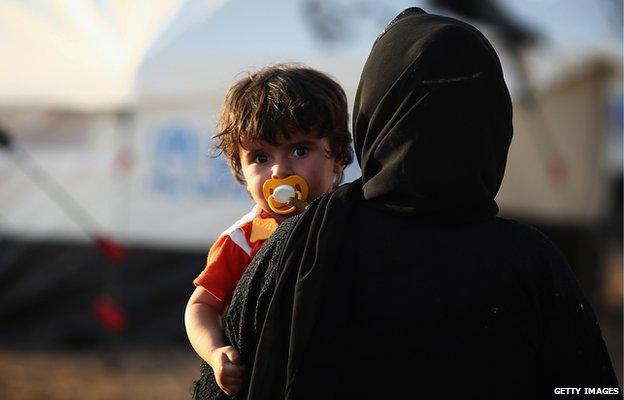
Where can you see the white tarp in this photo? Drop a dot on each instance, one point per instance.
(141, 169)
(81, 54)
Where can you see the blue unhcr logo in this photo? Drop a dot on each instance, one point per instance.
(181, 167)
(175, 161)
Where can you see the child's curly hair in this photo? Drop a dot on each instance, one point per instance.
(278, 101)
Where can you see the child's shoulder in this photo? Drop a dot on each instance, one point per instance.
(238, 233)
(245, 220)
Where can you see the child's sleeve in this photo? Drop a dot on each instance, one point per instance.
(225, 265)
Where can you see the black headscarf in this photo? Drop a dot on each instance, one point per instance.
(405, 279)
(432, 119)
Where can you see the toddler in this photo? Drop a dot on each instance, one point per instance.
(283, 125)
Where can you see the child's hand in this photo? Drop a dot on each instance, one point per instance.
(228, 370)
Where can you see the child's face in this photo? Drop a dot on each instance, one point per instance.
(303, 154)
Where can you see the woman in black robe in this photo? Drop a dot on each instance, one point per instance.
(405, 281)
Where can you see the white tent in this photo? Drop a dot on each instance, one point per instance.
(122, 104)
(80, 54)
(69, 99)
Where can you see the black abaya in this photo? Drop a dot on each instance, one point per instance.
(406, 282)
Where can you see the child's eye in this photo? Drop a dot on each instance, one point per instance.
(260, 158)
(300, 151)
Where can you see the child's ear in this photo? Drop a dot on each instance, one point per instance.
(338, 167)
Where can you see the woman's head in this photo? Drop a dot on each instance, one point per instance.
(432, 120)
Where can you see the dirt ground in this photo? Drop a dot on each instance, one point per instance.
(146, 374)
(138, 374)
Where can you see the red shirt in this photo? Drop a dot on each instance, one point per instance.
(230, 255)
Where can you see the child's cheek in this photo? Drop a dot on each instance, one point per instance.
(318, 186)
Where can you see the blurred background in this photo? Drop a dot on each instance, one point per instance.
(110, 194)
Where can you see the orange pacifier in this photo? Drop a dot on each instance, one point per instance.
(286, 196)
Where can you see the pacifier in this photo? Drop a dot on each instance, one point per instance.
(286, 196)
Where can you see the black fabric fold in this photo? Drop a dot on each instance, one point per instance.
(313, 273)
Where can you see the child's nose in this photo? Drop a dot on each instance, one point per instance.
(281, 170)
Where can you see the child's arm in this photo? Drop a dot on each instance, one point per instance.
(203, 327)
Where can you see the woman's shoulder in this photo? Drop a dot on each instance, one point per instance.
(285, 227)
(526, 240)
(278, 239)
(522, 231)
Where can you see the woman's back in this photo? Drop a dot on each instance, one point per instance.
(481, 310)
(486, 309)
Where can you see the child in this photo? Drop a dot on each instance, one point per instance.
(280, 122)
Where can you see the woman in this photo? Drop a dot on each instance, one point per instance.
(406, 281)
